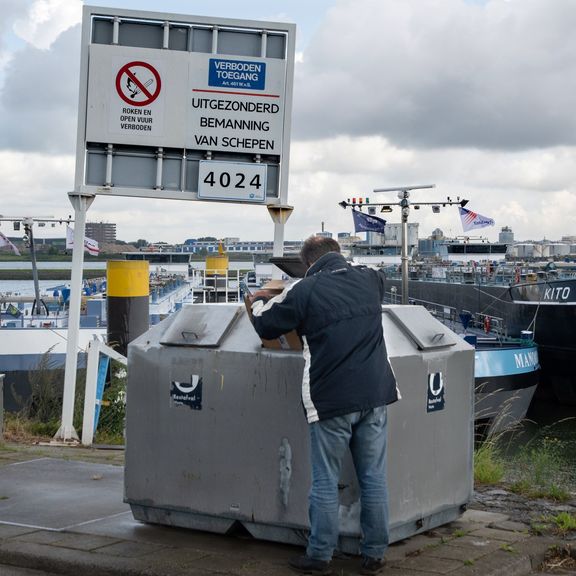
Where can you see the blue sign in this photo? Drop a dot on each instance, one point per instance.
(103, 363)
(435, 392)
(236, 74)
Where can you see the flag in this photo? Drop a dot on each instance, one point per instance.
(366, 223)
(472, 220)
(13, 311)
(5, 242)
(91, 246)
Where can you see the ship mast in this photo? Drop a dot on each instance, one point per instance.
(404, 204)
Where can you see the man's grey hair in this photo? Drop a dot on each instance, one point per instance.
(315, 247)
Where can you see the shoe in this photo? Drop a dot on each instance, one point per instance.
(306, 565)
(372, 565)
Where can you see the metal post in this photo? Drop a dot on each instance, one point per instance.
(28, 226)
(405, 206)
(90, 392)
(404, 260)
(279, 214)
(81, 203)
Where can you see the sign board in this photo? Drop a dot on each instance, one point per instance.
(232, 181)
(163, 95)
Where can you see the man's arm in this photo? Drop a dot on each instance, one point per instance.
(277, 315)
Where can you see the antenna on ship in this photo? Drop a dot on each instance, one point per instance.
(404, 204)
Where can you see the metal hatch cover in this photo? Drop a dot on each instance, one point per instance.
(201, 326)
(424, 330)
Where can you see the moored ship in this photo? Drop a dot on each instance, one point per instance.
(526, 297)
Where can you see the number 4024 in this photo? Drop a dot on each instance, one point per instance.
(237, 180)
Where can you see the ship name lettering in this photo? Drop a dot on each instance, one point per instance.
(526, 359)
(560, 293)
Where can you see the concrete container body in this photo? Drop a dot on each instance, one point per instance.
(217, 435)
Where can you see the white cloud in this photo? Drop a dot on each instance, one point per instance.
(46, 20)
(39, 99)
(442, 73)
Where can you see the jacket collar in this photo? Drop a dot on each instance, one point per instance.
(327, 261)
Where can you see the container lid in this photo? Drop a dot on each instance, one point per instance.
(426, 332)
(201, 326)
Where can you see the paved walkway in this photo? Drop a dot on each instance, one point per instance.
(61, 512)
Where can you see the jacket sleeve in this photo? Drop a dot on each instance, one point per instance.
(280, 314)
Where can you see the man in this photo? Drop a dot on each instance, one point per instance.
(347, 383)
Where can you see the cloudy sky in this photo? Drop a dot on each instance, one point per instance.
(476, 97)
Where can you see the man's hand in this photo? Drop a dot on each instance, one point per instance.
(264, 294)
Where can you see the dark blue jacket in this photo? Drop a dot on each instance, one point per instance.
(336, 309)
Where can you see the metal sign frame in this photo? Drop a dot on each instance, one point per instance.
(96, 163)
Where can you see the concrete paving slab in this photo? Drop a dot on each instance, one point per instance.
(57, 494)
(480, 543)
(431, 564)
(510, 526)
(13, 571)
(504, 535)
(498, 564)
(462, 553)
(130, 549)
(67, 540)
(10, 531)
(483, 517)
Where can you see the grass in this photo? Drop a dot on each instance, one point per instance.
(560, 524)
(538, 467)
(565, 522)
(488, 463)
(39, 418)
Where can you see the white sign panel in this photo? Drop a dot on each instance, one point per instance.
(209, 102)
(232, 181)
(237, 104)
(160, 93)
(129, 93)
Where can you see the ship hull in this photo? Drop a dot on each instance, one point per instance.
(553, 325)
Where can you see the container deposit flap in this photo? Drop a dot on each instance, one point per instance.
(421, 327)
(202, 326)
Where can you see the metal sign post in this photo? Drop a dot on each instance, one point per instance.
(279, 215)
(81, 203)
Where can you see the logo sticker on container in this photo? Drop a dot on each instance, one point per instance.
(435, 392)
(187, 393)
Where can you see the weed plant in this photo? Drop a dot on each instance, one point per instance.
(539, 467)
(488, 463)
(41, 412)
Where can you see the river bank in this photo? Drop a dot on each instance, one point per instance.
(61, 275)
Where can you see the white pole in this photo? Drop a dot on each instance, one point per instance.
(90, 392)
(81, 203)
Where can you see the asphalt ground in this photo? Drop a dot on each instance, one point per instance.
(62, 513)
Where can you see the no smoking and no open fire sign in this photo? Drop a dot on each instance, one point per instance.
(138, 83)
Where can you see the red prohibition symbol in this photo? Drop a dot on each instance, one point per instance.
(138, 83)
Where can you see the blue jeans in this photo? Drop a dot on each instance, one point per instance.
(365, 433)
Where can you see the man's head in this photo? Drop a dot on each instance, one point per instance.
(315, 247)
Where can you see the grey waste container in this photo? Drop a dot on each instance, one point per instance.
(216, 434)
